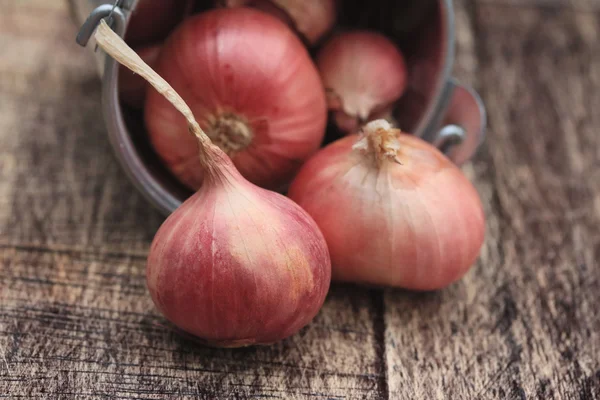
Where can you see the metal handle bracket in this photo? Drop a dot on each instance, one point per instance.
(115, 19)
(463, 124)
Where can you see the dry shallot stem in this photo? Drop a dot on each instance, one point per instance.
(112, 44)
(380, 141)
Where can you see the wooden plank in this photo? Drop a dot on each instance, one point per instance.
(83, 323)
(579, 5)
(61, 186)
(522, 323)
(75, 318)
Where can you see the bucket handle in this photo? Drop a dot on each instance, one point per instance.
(463, 124)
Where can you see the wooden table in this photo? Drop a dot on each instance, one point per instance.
(76, 320)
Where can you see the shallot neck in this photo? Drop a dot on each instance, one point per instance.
(216, 164)
(380, 142)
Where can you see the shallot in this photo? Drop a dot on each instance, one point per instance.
(364, 74)
(393, 209)
(253, 88)
(235, 264)
(311, 18)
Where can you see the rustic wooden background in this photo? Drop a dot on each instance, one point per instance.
(75, 317)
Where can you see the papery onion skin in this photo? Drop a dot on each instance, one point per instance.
(311, 18)
(238, 265)
(415, 222)
(364, 74)
(248, 69)
(132, 87)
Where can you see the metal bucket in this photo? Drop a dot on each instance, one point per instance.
(436, 107)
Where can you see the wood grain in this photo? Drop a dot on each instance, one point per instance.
(579, 5)
(76, 320)
(522, 324)
(85, 321)
(60, 180)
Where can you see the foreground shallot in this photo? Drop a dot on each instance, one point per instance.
(393, 209)
(235, 264)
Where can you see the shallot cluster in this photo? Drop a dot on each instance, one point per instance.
(236, 102)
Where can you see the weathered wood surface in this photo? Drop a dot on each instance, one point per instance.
(75, 318)
(579, 5)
